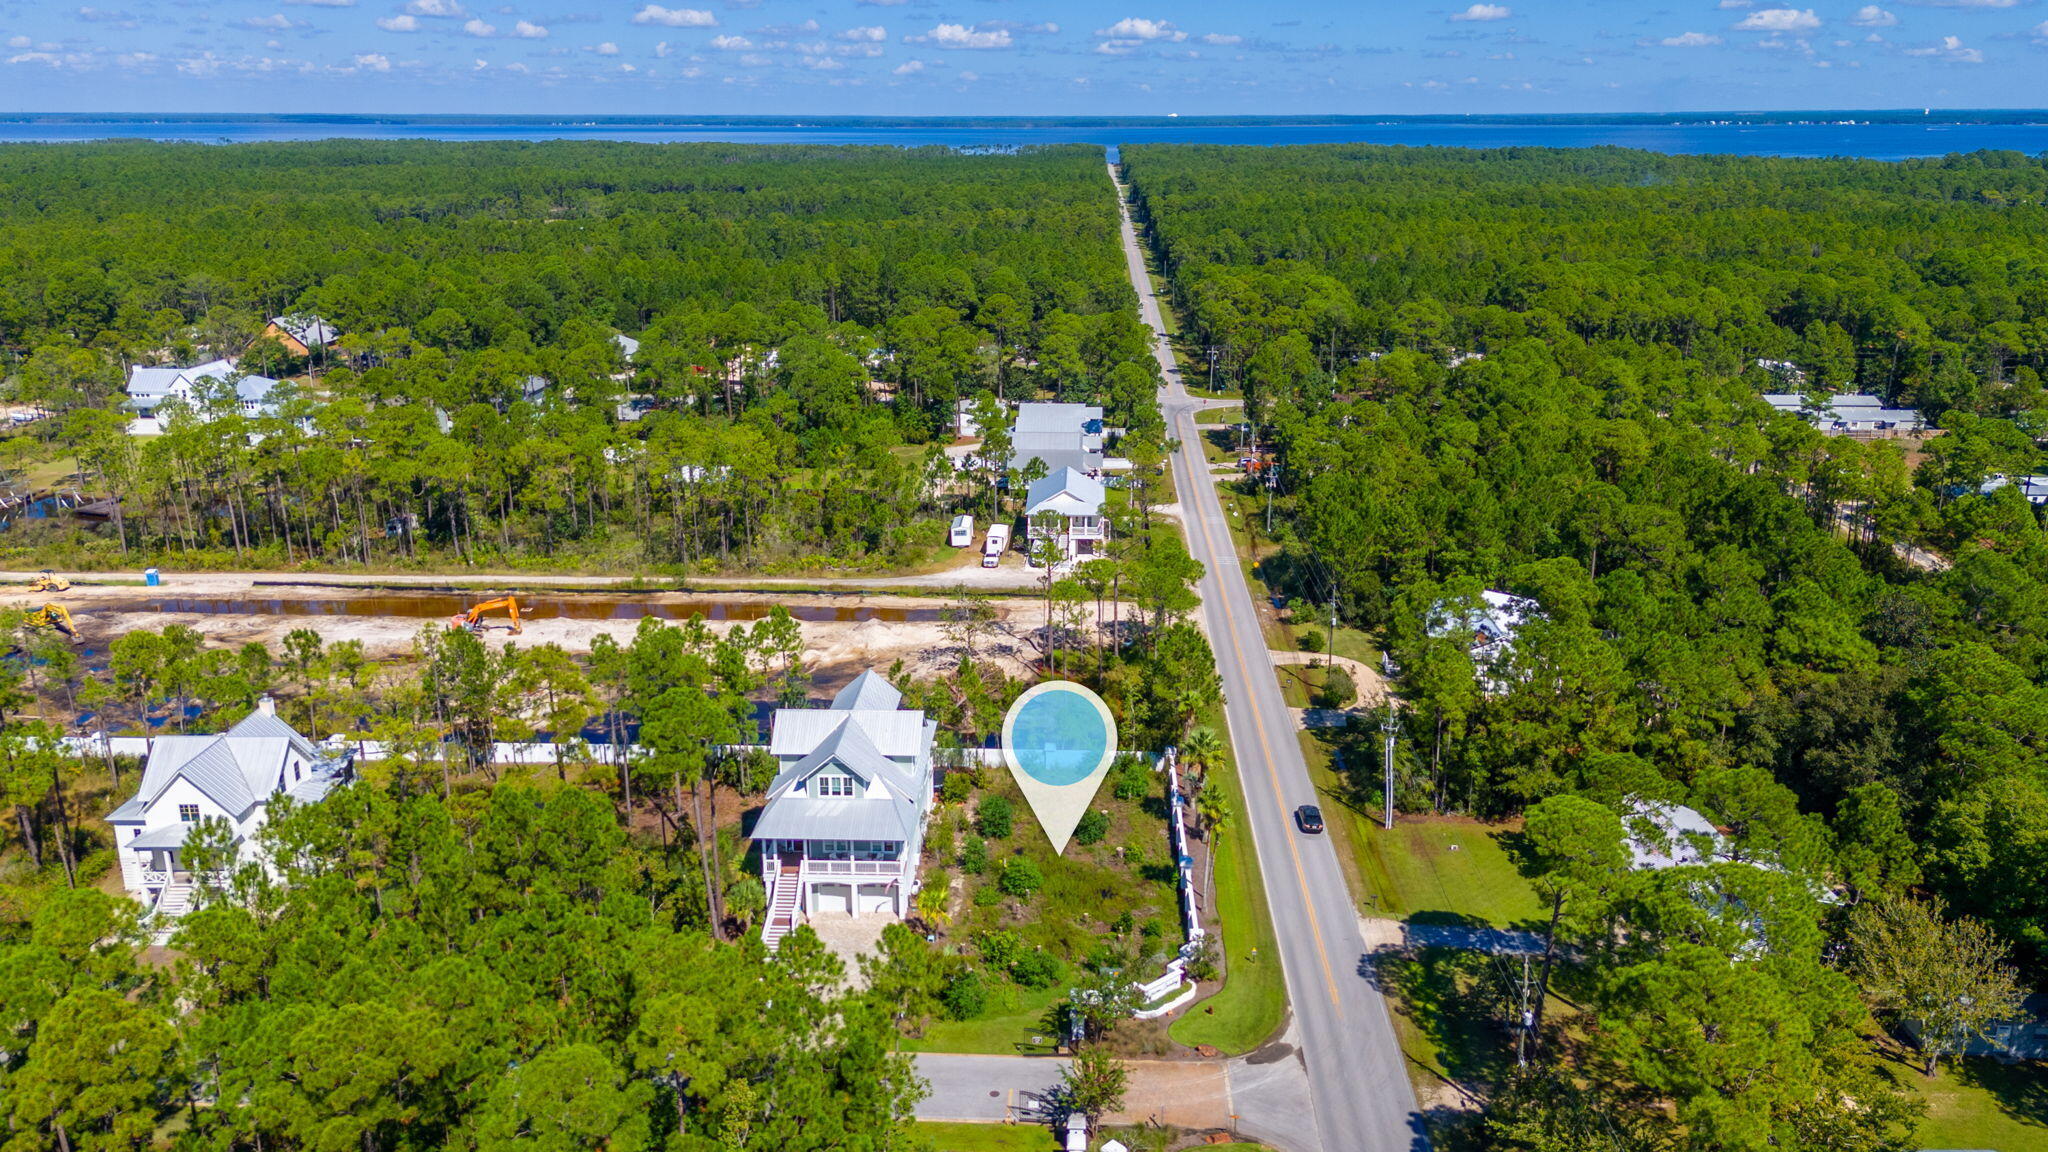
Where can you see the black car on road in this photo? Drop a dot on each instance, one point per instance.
(1309, 819)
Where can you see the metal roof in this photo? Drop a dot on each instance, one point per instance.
(868, 692)
(169, 836)
(798, 731)
(838, 819)
(1067, 492)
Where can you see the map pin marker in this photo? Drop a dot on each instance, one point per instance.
(1059, 740)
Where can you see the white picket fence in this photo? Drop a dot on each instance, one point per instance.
(1175, 975)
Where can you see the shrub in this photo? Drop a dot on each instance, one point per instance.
(1132, 780)
(994, 816)
(987, 896)
(943, 836)
(1021, 878)
(1037, 970)
(998, 947)
(1092, 828)
(1201, 959)
(965, 996)
(956, 787)
(1311, 640)
(1338, 690)
(974, 856)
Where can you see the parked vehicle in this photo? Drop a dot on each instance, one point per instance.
(997, 543)
(963, 532)
(1310, 819)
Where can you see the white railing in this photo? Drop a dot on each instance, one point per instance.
(853, 867)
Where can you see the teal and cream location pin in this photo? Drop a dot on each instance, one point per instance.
(1059, 739)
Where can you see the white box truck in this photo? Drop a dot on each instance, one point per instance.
(997, 543)
(963, 532)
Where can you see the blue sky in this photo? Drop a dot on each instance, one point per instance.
(912, 57)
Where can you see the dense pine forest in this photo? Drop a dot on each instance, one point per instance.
(807, 320)
(1538, 372)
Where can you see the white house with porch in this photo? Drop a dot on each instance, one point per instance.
(232, 776)
(151, 390)
(1075, 499)
(843, 830)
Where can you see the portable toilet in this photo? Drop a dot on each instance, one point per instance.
(1077, 1132)
(151, 577)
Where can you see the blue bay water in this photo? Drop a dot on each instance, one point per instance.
(1877, 141)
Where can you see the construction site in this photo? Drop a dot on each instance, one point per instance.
(841, 630)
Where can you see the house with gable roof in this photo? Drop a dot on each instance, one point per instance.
(232, 776)
(299, 334)
(1075, 501)
(150, 390)
(843, 827)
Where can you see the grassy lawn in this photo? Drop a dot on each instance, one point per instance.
(1220, 416)
(942, 1136)
(1445, 869)
(1012, 1026)
(1253, 1000)
(1978, 1103)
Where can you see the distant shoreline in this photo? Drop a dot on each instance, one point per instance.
(1813, 117)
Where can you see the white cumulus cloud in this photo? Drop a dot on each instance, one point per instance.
(1483, 12)
(374, 62)
(1690, 40)
(1222, 39)
(961, 36)
(528, 30)
(910, 68)
(1780, 20)
(675, 17)
(1871, 16)
(731, 43)
(606, 49)
(1138, 28)
(477, 27)
(276, 20)
(1951, 48)
(870, 32)
(402, 23)
(447, 9)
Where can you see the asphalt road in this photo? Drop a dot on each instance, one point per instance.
(1362, 1099)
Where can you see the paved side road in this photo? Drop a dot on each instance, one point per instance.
(1357, 1075)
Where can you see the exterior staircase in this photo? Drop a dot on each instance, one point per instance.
(782, 914)
(175, 901)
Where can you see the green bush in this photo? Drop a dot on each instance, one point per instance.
(974, 856)
(1132, 780)
(965, 996)
(1037, 970)
(994, 817)
(1311, 640)
(956, 787)
(998, 947)
(1338, 690)
(942, 839)
(1092, 828)
(1020, 878)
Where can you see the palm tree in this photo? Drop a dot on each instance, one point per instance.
(1200, 748)
(934, 902)
(1214, 809)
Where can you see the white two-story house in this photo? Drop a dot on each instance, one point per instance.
(843, 830)
(1075, 499)
(150, 390)
(232, 776)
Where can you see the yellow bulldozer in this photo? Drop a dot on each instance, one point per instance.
(473, 619)
(55, 618)
(49, 582)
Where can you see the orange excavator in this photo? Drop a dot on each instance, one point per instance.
(474, 618)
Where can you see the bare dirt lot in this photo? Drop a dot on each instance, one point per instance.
(839, 630)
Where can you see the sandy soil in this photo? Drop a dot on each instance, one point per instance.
(105, 611)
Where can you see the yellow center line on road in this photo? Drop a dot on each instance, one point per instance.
(1258, 719)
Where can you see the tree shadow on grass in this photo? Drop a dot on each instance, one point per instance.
(2021, 1090)
(1447, 995)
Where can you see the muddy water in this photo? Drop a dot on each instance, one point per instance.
(431, 606)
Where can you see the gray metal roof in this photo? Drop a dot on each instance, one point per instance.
(169, 836)
(797, 731)
(837, 819)
(1067, 492)
(1069, 419)
(130, 812)
(234, 769)
(311, 331)
(869, 692)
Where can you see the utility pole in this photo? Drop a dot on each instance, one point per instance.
(1331, 649)
(1272, 482)
(1214, 352)
(1388, 726)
